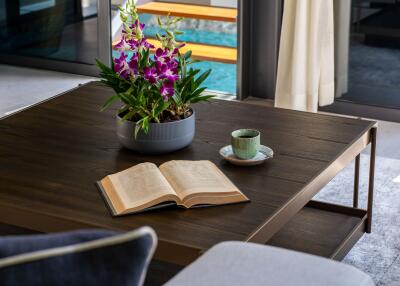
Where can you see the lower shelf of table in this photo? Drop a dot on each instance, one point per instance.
(322, 229)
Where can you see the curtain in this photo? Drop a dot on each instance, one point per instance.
(342, 12)
(305, 76)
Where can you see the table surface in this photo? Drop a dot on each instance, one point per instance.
(52, 154)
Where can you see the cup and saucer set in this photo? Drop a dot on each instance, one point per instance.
(245, 148)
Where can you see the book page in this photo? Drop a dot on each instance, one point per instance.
(203, 178)
(138, 187)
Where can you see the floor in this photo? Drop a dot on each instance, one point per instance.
(22, 87)
(377, 254)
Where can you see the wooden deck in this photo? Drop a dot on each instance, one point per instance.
(206, 52)
(189, 11)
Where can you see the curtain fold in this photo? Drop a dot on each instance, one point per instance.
(305, 76)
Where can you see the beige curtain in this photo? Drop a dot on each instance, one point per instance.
(306, 56)
(342, 12)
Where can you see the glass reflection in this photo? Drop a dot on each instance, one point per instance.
(53, 29)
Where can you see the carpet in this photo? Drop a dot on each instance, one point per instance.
(374, 76)
(374, 66)
(378, 253)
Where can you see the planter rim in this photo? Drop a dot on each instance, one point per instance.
(163, 123)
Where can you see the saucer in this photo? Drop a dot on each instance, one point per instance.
(263, 154)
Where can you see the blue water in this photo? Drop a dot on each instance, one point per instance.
(198, 36)
(194, 35)
(223, 76)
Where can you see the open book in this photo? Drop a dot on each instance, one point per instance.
(185, 183)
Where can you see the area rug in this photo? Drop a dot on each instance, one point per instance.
(374, 76)
(378, 253)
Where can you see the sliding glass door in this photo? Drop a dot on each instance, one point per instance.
(368, 52)
(237, 39)
(65, 35)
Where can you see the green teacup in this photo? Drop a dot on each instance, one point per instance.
(245, 143)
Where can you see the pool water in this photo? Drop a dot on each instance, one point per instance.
(198, 36)
(223, 76)
(195, 31)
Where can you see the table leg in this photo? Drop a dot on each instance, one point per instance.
(356, 181)
(371, 179)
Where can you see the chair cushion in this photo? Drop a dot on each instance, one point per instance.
(85, 257)
(239, 263)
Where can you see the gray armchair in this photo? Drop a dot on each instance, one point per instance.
(239, 263)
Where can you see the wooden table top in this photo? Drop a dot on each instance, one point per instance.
(52, 154)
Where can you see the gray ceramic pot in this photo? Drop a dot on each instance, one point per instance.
(161, 138)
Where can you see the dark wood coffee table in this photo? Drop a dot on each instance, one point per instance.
(51, 155)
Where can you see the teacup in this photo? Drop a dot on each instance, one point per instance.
(245, 143)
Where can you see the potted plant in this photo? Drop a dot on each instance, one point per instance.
(156, 86)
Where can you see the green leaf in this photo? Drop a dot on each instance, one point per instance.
(142, 124)
(187, 55)
(177, 98)
(202, 78)
(161, 106)
(126, 99)
(128, 116)
(145, 56)
(103, 67)
(198, 91)
(109, 102)
(123, 109)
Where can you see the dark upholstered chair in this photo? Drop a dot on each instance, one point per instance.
(87, 257)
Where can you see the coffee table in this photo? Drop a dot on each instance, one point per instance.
(51, 155)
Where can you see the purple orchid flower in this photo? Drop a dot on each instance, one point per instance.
(144, 43)
(137, 45)
(126, 69)
(160, 67)
(162, 56)
(123, 45)
(141, 25)
(176, 50)
(173, 64)
(170, 74)
(167, 70)
(150, 74)
(167, 90)
(134, 64)
(133, 44)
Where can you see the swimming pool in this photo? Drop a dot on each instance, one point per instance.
(223, 76)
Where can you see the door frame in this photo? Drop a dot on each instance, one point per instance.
(259, 27)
